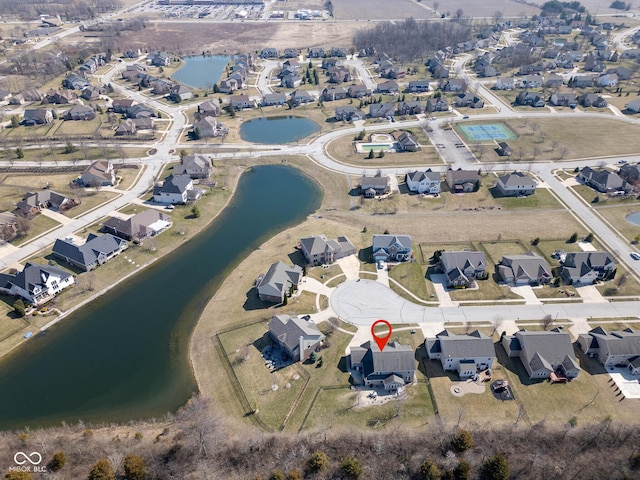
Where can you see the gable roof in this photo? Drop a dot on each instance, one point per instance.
(394, 358)
(620, 342)
(418, 176)
(386, 241)
(278, 278)
(474, 344)
(90, 251)
(100, 168)
(288, 330)
(517, 179)
(33, 275)
(547, 349)
(131, 226)
(175, 184)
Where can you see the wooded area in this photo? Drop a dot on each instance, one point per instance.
(411, 40)
(196, 444)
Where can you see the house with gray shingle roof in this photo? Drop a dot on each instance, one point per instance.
(348, 113)
(98, 249)
(276, 284)
(176, 189)
(406, 142)
(602, 180)
(377, 184)
(36, 201)
(465, 354)
(516, 184)
(37, 284)
(145, 224)
(195, 166)
(390, 368)
(462, 268)
(317, 250)
(423, 181)
(298, 337)
(613, 348)
(583, 268)
(543, 353)
(391, 248)
(528, 269)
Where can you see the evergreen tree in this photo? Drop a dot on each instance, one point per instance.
(216, 89)
(134, 468)
(102, 470)
(370, 154)
(195, 211)
(19, 153)
(496, 467)
(19, 308)
(14, 121)
(429, 470)
(57, 462)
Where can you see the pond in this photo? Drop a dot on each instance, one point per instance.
(633, 218)
(274, 130)
(201, 71)
(126, 355)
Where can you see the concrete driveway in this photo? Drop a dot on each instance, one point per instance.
(526, 292)
(439, 281)
(590, 294)
(350, 266)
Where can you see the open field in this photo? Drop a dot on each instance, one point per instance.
(378, 10)
(194, 37)
(615, 215)
(558, 139)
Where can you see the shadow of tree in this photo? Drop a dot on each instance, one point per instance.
(365, 254)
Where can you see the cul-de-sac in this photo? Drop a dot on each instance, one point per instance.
(206, 205)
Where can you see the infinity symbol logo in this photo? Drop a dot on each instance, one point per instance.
(27, 458)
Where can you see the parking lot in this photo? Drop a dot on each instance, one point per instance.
(210, 12)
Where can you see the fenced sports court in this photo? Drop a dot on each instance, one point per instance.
(487, 132)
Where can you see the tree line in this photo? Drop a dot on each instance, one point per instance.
(410, 40)
(196, 444)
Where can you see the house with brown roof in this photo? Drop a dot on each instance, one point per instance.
(317, 250)
(460, 181)
(37, 116)
(240, 102)
(145, 224)
(100, 172)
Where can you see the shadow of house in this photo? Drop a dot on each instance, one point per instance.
(591, 365)
(514, 365)
(297, 258)
(355, 192)
(261, 343)
(253, 302)
(343, 365)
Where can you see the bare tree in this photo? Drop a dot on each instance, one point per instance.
(498, 320)
(546, 321)
(23, 226)
(202, 426)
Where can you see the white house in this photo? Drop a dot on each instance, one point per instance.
(36, 284)
(465, 354)
(505, 83)
(423, 182)
(619, 347)
(176, 189)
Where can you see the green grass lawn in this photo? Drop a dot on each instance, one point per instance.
(411, 276)
(243, 347)
(496, 250)
(39, 225)
(323, 274)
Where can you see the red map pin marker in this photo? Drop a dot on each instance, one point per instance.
(381, 341)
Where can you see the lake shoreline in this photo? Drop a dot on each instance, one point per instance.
(231, 187)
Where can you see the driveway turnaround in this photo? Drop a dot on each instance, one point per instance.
(366, 301)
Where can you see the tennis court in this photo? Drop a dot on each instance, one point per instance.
(487, 132)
